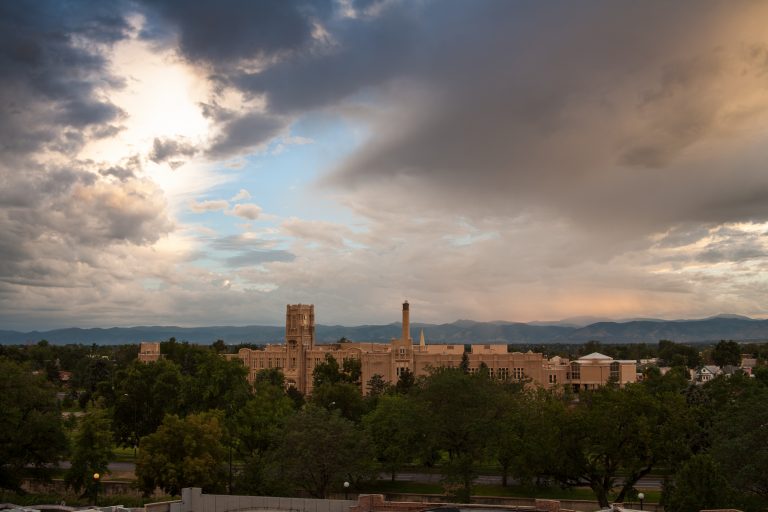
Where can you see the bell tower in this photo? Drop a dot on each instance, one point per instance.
(299, 340)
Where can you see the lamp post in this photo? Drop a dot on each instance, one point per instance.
(96, 478)
(641, 497)
(346, 490)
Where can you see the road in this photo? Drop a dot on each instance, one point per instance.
(117, 470)
(647, 483)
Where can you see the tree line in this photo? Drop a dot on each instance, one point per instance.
(195, 421)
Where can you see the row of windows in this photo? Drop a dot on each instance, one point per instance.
(277, 362)
(575, 373)
(501, 373)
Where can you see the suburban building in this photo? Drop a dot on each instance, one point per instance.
(299, 355)
(707, 373)
(595, 370)
(149, 351)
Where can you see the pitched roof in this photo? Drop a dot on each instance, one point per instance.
(594, 356)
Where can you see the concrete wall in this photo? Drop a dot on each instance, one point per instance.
(193, 500)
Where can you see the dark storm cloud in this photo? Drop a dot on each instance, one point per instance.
(244, 132)
(224, 32)
(167, 149)
(576, 110)
(222, 36)
(125, 170)
(370, 52)
(52, 66)
(57, 219)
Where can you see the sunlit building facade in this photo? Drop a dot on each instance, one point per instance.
(299, 355)
(149, 351)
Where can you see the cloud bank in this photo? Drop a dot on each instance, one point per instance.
(522, 161)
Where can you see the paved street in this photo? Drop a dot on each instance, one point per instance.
(647, 483)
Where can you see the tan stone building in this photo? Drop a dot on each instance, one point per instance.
(299, 355)
(595, 370)
(149, 351)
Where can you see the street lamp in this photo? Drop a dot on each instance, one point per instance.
(641, 497)
(346, 490)
(96, 477)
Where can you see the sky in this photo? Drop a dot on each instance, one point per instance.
(208, 162)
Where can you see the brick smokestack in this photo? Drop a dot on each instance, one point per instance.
(406, 323)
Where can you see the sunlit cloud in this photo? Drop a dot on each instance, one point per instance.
(509, 162)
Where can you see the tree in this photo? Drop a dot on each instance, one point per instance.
(215, 383)
(270, 377)
(726, 353)
(329, 371)
(676, 354)
(396, 430)
(342, 396)
(525, 437)
(91, 452)
(320, 450)
(406, 382)
(143, 394)
(376, 385)
(92, 371)
(464, 364)
(184, 452)
(256, 428)
(614, 432)
(462, 409)
(739, 440)
(676, 380)
(31, 432)
(698, 485)
(352, 369)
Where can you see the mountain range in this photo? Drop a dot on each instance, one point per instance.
(730, 327)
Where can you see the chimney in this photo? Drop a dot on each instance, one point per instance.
(406, 323)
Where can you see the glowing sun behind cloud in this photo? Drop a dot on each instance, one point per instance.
(160, 99)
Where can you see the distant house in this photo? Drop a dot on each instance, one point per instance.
(707, 373)
(730, 369)
(748, 364)
(149, 351)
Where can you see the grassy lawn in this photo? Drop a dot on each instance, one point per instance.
(123, 454)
